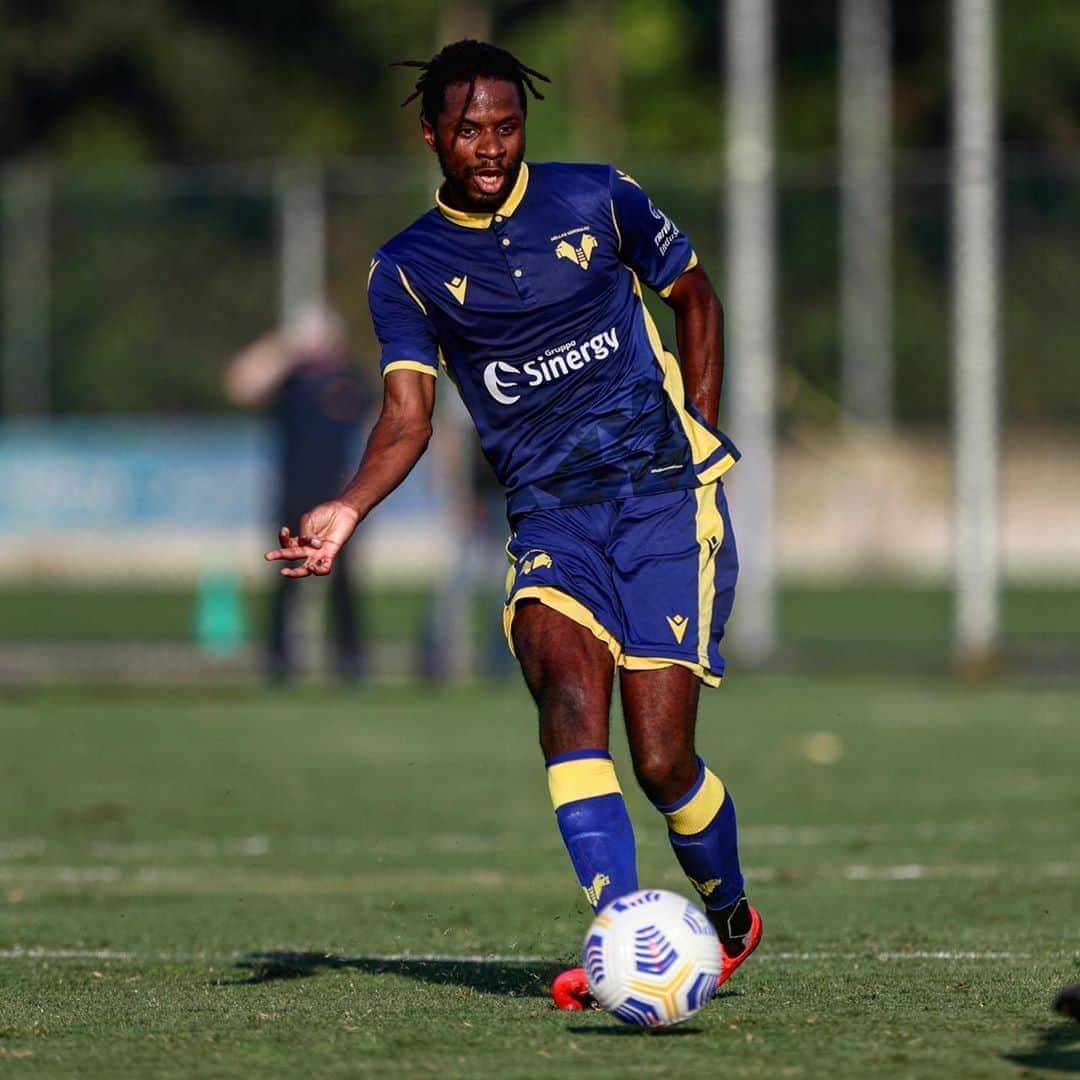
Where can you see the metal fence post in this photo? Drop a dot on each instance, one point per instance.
(751, 316)
(975, 313)
(302, 209)
(866, 213)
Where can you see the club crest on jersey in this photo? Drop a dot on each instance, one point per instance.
(579, 251)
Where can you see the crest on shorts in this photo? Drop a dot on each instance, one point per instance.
(678, 624)
(535, 560)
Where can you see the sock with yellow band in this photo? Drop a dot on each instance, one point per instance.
(704, 837)
(595, 826)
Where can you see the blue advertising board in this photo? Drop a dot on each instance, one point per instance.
(161, 472)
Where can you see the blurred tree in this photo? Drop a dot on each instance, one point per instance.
(106, 87)
(109, 80)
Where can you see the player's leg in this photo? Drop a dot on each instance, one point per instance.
(343, 613)
(279, 667)
(570, 674)
(660, 708)
(561, 624)
(675, 567)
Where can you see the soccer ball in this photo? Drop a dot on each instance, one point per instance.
(651, 958)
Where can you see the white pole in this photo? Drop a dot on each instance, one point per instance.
(866, 216)
(975, 302)
(24, 352)
(750, 315)
(302, 253)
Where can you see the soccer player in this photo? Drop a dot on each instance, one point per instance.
(524, 282)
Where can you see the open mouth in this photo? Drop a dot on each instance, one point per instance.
(489, 181)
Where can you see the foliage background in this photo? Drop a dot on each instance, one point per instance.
(165, 123)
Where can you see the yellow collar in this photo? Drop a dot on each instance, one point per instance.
(472, 220)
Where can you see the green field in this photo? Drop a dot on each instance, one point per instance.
(880, 625)
(317, 884)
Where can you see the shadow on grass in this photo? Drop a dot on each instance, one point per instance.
(503, 977)
(621, 1031)
(1058, 1048)
(627, 1030)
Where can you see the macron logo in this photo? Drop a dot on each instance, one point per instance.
(457, 286)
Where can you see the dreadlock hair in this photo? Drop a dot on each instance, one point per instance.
(465, 62)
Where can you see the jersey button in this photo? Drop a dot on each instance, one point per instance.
(517, 273)
(506, 241)
(499, 218)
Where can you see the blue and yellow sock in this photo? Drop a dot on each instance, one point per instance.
(704, 836)
(594, 823)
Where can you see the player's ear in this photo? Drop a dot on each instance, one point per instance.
(429, 133)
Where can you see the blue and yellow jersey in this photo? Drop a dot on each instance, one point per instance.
(536, 313)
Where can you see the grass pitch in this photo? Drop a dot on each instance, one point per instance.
(318, 884)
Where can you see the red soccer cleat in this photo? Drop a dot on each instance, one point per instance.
(570, 991)
(728, 964)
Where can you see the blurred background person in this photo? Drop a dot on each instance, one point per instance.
(301, 377)
(469, 593)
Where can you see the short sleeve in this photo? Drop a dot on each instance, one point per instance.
(401, 321)
(650, 243)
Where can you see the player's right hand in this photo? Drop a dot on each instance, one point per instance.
(322, 534)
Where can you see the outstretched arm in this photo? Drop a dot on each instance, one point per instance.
(253, 375)
(397, 441)
(699, 328)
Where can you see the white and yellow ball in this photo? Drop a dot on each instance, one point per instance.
(652, 958)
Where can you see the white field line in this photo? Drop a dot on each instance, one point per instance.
(257, 846)
(40, 952)
(921, 871)
(266, 880)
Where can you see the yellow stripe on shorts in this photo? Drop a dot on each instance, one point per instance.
(710, 526)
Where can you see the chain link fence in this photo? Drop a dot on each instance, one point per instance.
(124, 295)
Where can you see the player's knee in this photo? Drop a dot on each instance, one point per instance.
(665, 773)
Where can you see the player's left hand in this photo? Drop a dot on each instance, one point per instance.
(322, 534)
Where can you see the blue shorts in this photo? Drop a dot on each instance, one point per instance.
(652, 576)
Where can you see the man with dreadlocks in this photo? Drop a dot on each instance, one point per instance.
(525, 281)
